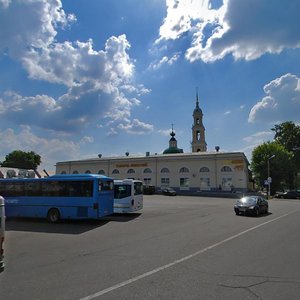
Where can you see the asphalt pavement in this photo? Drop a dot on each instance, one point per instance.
(179, 247)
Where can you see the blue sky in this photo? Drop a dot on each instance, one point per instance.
(80, 78)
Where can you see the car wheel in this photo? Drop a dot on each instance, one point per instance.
(237, 212)
(53, 215)
(256, 212)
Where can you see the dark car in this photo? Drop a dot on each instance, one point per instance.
(254, 205)
(169, 192)
(288, 195)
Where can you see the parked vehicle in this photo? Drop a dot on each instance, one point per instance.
(64, 196)
(169, 192)
(2, 233)
(288, 195)
(254, 205)
(128, 195)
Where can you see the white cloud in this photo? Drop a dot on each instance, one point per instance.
(100, 83)
(136, 127)
(48, 148)
(281, 103)
(30, 24)
(259, 137)
(245, 29)
(164, 61)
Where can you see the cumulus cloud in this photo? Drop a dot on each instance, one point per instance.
(48, 148)
(136, 127)
(164, 61)
(282, 101)
(36, 25)
(99, 83)
(231, 29)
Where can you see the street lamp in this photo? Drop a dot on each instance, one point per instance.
(269, 178)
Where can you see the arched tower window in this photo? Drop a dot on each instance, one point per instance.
(204, 169)
(147, 170)
(115, 171)
(164, 170)
(130, 171)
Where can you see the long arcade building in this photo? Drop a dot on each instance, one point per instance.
(185, 171)
(196, 171)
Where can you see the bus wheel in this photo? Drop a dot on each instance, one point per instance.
(53, 215)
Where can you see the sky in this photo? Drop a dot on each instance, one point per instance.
(89, 77)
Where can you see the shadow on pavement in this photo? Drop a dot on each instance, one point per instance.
(63, 227)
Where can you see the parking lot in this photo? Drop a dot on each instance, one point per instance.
(176, 248)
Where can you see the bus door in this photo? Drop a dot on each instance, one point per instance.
(105, 197)
(2, 233)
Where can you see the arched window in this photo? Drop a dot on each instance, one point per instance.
(115, 171)
(184, 170)
(75, 172)
(147, 170)
(87, 172)
(101, 172)
(164, 170)
(130, 171)
(63, 172)
(204, 169)
(226, 169)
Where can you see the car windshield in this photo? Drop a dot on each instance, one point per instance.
(247, 200)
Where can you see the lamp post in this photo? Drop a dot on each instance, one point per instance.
(269, 178)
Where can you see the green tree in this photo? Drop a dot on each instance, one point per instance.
(280, 166)
(287, 134)
(22, 160)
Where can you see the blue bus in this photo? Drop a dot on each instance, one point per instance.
(76, 196)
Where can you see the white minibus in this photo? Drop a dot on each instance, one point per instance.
(128, 195)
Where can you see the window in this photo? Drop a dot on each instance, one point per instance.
(165, 182)
(87, 172)
(63, 172)
(204, 169)
(165, 170)
(75, 172)
(138, 188)
(32, 188)
(226, 169)
(115, 171)
(101, 172)
(226, 183)
(147, 170)
(130, 171)
(184, 170)
(122, 191)
(204, 183)
(147, 181)
(184, 183)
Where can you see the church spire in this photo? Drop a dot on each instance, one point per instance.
(197, 99)
(198, 130)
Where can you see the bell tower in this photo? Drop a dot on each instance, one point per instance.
(198, 130)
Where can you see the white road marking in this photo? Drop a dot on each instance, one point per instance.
(129, 281)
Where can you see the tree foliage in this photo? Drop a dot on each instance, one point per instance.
(280, 166)
(22, 160)
(287, 134)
